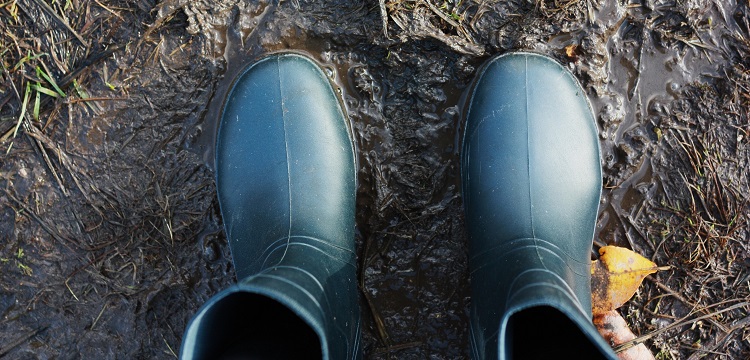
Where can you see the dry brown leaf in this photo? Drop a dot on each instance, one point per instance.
(615, 331)
(615, 277)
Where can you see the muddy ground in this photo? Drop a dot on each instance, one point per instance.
(111, 234)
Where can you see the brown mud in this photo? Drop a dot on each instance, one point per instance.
(111, 234)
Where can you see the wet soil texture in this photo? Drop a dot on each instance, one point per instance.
(111, 233)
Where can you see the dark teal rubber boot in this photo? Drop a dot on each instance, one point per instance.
(531, 185)
(285, 174)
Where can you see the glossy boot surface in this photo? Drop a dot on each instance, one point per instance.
(531, 182)
(286, 184)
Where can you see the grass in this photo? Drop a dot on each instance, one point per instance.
(445, 21)
(699, 225)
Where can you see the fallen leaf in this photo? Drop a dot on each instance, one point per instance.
(615, 277)
(615, 331)
(571, 51)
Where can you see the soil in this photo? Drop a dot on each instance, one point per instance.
(111, 233)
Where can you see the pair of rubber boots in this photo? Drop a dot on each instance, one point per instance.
(286, 179)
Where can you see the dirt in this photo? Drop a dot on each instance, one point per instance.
(111, 234)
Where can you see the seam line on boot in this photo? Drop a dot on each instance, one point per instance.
(288, 162)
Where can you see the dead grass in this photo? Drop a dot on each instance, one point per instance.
(457, 23)
(80, 232)
(418, 19)
(699, 226)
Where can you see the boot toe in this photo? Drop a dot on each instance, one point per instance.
(531, 145)
(284, 162)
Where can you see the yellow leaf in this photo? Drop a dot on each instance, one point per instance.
(615, 277)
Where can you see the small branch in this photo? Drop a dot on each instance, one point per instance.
(20, 340)
(641, 339)
(384, 16)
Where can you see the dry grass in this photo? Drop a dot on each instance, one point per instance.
(698, 224)
(87, 226)
(459, 23)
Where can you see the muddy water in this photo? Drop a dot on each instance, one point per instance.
(644, 75)
(405, 102)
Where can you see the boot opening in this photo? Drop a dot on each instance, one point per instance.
(544, 332)
(250, 326)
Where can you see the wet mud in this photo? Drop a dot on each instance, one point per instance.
(111, 228)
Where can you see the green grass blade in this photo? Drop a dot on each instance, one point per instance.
(36, 105)
(82, 93)
(29, 56)
(39, 88)
(49, 79)
(23, 108)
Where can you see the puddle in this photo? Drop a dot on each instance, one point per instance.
(641, 79)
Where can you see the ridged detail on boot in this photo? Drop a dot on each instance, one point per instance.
(286, 179)
(522, 273)
(277, 250)
(541, 249)
(326, 295)
(315, 303)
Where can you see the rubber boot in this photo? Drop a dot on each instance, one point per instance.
(531, 185)
(285, 175)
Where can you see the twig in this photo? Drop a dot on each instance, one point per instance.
(641, 339)
(685, 301)
(379, 324)
(693, 43)
(44, 225)
(741, 324)
(74, 101)
(106, 303)
(442, 15)
(640, 233)
(64, 161)
(110, 10)
(625, 229)
(30, 133)
(21, 339)
(398, 347)
(171, 351)
(461, 30)
(384, 16)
